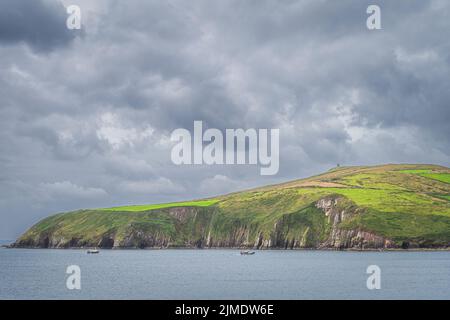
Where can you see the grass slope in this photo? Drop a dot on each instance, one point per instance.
(399, 202)
(147, 207)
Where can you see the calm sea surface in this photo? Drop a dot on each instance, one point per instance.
(222, 274)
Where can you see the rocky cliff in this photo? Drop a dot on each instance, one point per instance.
(202, 233)
(392, 206)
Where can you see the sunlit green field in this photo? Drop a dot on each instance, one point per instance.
(147, 207)
(444, 177)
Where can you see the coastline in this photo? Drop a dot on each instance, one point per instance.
(439, 249)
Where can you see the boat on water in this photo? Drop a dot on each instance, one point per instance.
(93, 251)
(247, 253)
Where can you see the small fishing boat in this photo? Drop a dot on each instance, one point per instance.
(93, 251)
(247, 253)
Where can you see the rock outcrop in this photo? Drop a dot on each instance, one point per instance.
(343, 238)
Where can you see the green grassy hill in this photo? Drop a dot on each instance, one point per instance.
(388, 206)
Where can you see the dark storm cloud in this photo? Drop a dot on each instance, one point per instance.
(89, 124)
(38, 23)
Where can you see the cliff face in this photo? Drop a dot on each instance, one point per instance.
(341, 238)
(315, 227)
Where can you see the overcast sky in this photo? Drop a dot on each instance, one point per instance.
(86, 115)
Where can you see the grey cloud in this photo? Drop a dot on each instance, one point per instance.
(68, 189)
(338, 92)
(38, 23)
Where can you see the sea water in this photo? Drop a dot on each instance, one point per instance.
(222, 274)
